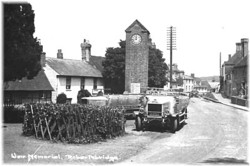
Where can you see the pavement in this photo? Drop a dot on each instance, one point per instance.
(227, 102)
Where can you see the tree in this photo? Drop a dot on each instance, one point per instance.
(179, 81)
(114, 68)
(61, 98)
(157, 69)
(21, 50)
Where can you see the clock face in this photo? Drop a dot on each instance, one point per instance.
(136, 39)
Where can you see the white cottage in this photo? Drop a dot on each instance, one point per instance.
(69, 76)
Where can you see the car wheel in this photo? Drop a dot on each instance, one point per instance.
(138, 123)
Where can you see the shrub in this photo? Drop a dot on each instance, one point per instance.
(61, 98)
(73, 123)
(13, 114)
(82, 93)
(100, 93)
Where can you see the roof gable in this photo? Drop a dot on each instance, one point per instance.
(186, 77)
(97, 62)
(206, 84)
(38, 83)
(242, 62)
(235, 58)
(138, 23)
(70, 67)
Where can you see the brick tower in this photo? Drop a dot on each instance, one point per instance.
(137, 52)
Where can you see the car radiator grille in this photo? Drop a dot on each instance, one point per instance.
(154, 109)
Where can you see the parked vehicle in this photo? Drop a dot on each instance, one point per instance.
(194, 93)
(129, 102)
(170, 110)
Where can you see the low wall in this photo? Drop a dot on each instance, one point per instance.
(239, 101)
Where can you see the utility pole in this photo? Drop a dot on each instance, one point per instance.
(221, 76)
(220, 65)
(171, 45)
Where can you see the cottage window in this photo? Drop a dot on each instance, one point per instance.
(82, 83)
(68, 82)
(95, 83)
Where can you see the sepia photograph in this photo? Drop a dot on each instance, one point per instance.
(125, 82)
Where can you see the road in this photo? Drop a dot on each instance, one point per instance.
(214, 133)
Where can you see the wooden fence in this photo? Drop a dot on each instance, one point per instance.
(73, 123)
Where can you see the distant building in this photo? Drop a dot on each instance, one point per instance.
(179, 79)
(188, 83)
(215, 86)
(69, 76)
(202, 87)
(176, 73)
(235, 71)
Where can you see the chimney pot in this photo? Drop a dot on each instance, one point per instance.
(59, 54)
(244, 45)
(229, 56)
(238, 47)
(86, 50)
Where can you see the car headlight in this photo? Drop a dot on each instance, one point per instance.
(166, 109)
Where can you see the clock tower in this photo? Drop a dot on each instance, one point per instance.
(136, 63)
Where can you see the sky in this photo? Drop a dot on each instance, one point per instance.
(204, 28)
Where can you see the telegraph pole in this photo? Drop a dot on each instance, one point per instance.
(220, 65)
(171, 45)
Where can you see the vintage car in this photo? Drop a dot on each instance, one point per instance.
(170, 110)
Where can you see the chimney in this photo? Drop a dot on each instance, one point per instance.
(86, 50)
(244, 45)
(43, 58)
(192, 75)
(238, 47)
(229, 56)
(59, 54)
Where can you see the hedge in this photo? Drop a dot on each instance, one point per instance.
(73, 123)
(13, 114)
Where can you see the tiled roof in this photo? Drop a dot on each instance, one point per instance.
(235, 58)
(186, 77)
(70, 67)
(242, 62)
(228, 69)
(136, 22)
(197, 80)
(97, 61)
(38, 83)
(205, 83)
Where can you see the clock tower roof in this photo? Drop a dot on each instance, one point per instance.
(133, 24)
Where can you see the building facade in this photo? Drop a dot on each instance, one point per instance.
(188, 83)
(70, 76)
(36, 90)
(235, 71)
